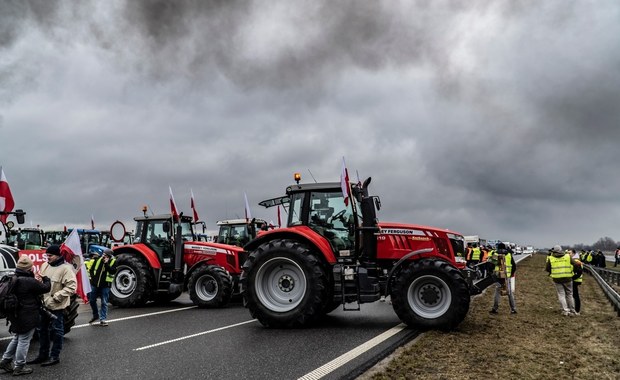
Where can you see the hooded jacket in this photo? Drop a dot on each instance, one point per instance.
(28, 291)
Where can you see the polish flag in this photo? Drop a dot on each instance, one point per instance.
(72, 253)
(344, 183)
(173, 206)
(248, 214)
(6, 198)
(193, 205)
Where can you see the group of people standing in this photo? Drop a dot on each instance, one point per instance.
(566, 270)
(42, 297)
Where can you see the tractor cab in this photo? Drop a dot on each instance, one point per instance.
(157, 233)
(26, 238)
(238, 231)
(55, 237)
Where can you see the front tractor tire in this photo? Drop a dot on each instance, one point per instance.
(133, 283)
(284, 284)
(210, 286)
(430, 294)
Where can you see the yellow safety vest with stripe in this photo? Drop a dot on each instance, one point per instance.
(475, 253)
(561, 266)
(109, 277)
(507, 263)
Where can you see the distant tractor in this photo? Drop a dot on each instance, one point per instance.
(26, 238)
(165, 259)
(337, 254)
(238, 231)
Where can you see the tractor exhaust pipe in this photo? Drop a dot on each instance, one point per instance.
(177, 278)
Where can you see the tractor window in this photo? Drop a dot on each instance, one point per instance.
(330, 217)
(294, 215)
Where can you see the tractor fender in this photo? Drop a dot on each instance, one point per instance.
(399, 265)
(141, 250)
(299, 233)
(192, 269)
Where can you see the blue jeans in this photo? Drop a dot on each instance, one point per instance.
(18, 348)
(55, 328)
(104, 292)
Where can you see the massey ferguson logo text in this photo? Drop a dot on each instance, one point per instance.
(201, 249)
(395, 231)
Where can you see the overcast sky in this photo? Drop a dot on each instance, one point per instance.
(496, 118)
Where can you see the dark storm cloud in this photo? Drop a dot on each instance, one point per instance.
(486, 117)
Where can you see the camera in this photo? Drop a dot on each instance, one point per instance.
(48, 313)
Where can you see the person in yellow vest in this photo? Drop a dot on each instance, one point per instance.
(101, 275)
(474, 255)
(504, 271)
(560, 267)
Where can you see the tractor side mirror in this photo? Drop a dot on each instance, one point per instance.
(166, 227)
(19, 214)
(377, 202)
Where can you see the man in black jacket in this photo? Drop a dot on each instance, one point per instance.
(28, 289)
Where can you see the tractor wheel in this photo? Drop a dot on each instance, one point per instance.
(284, 284)
(210, 286)
(430, 294)
(70, 314)
(133, 283)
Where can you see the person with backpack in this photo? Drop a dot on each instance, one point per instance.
(28, 288)
(63, 287)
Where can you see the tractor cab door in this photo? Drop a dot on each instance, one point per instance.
(159, 239)
(329, 216)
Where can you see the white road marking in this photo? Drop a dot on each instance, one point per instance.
(124, 319)
(348, 356)
(193, 335)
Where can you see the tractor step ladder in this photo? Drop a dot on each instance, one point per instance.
(348, 282)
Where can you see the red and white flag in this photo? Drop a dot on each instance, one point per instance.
(72, 253)
(92, 222)
(248, 214)
(173, 206)
(193, 205)
(6, 198)
(344, 183)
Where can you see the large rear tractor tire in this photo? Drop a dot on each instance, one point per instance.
(133, 283)
(430, 294)
(284, 284)
(210, 286)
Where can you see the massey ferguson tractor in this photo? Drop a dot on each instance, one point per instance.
(334, 252)
(164, 260)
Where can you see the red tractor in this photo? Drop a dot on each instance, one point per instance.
(336, 253)
(164, 260)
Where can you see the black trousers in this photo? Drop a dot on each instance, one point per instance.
(576, 296)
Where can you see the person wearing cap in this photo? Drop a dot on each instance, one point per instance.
(28, 288)
(64, 285)
(560, 266)
(101, 273)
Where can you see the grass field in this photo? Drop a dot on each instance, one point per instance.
(536, 343)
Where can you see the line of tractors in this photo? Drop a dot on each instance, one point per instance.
(333, 252)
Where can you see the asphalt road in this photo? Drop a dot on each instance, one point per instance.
(179, 341)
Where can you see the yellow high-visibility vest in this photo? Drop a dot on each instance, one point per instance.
(561, 266)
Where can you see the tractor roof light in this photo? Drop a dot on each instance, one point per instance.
(144, 210)
(297, 177)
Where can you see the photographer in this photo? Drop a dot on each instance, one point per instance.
(28, 289)
(63, 287)
(101, 273)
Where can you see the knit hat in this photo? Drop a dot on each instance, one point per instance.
(24, 262)
(53, 250)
